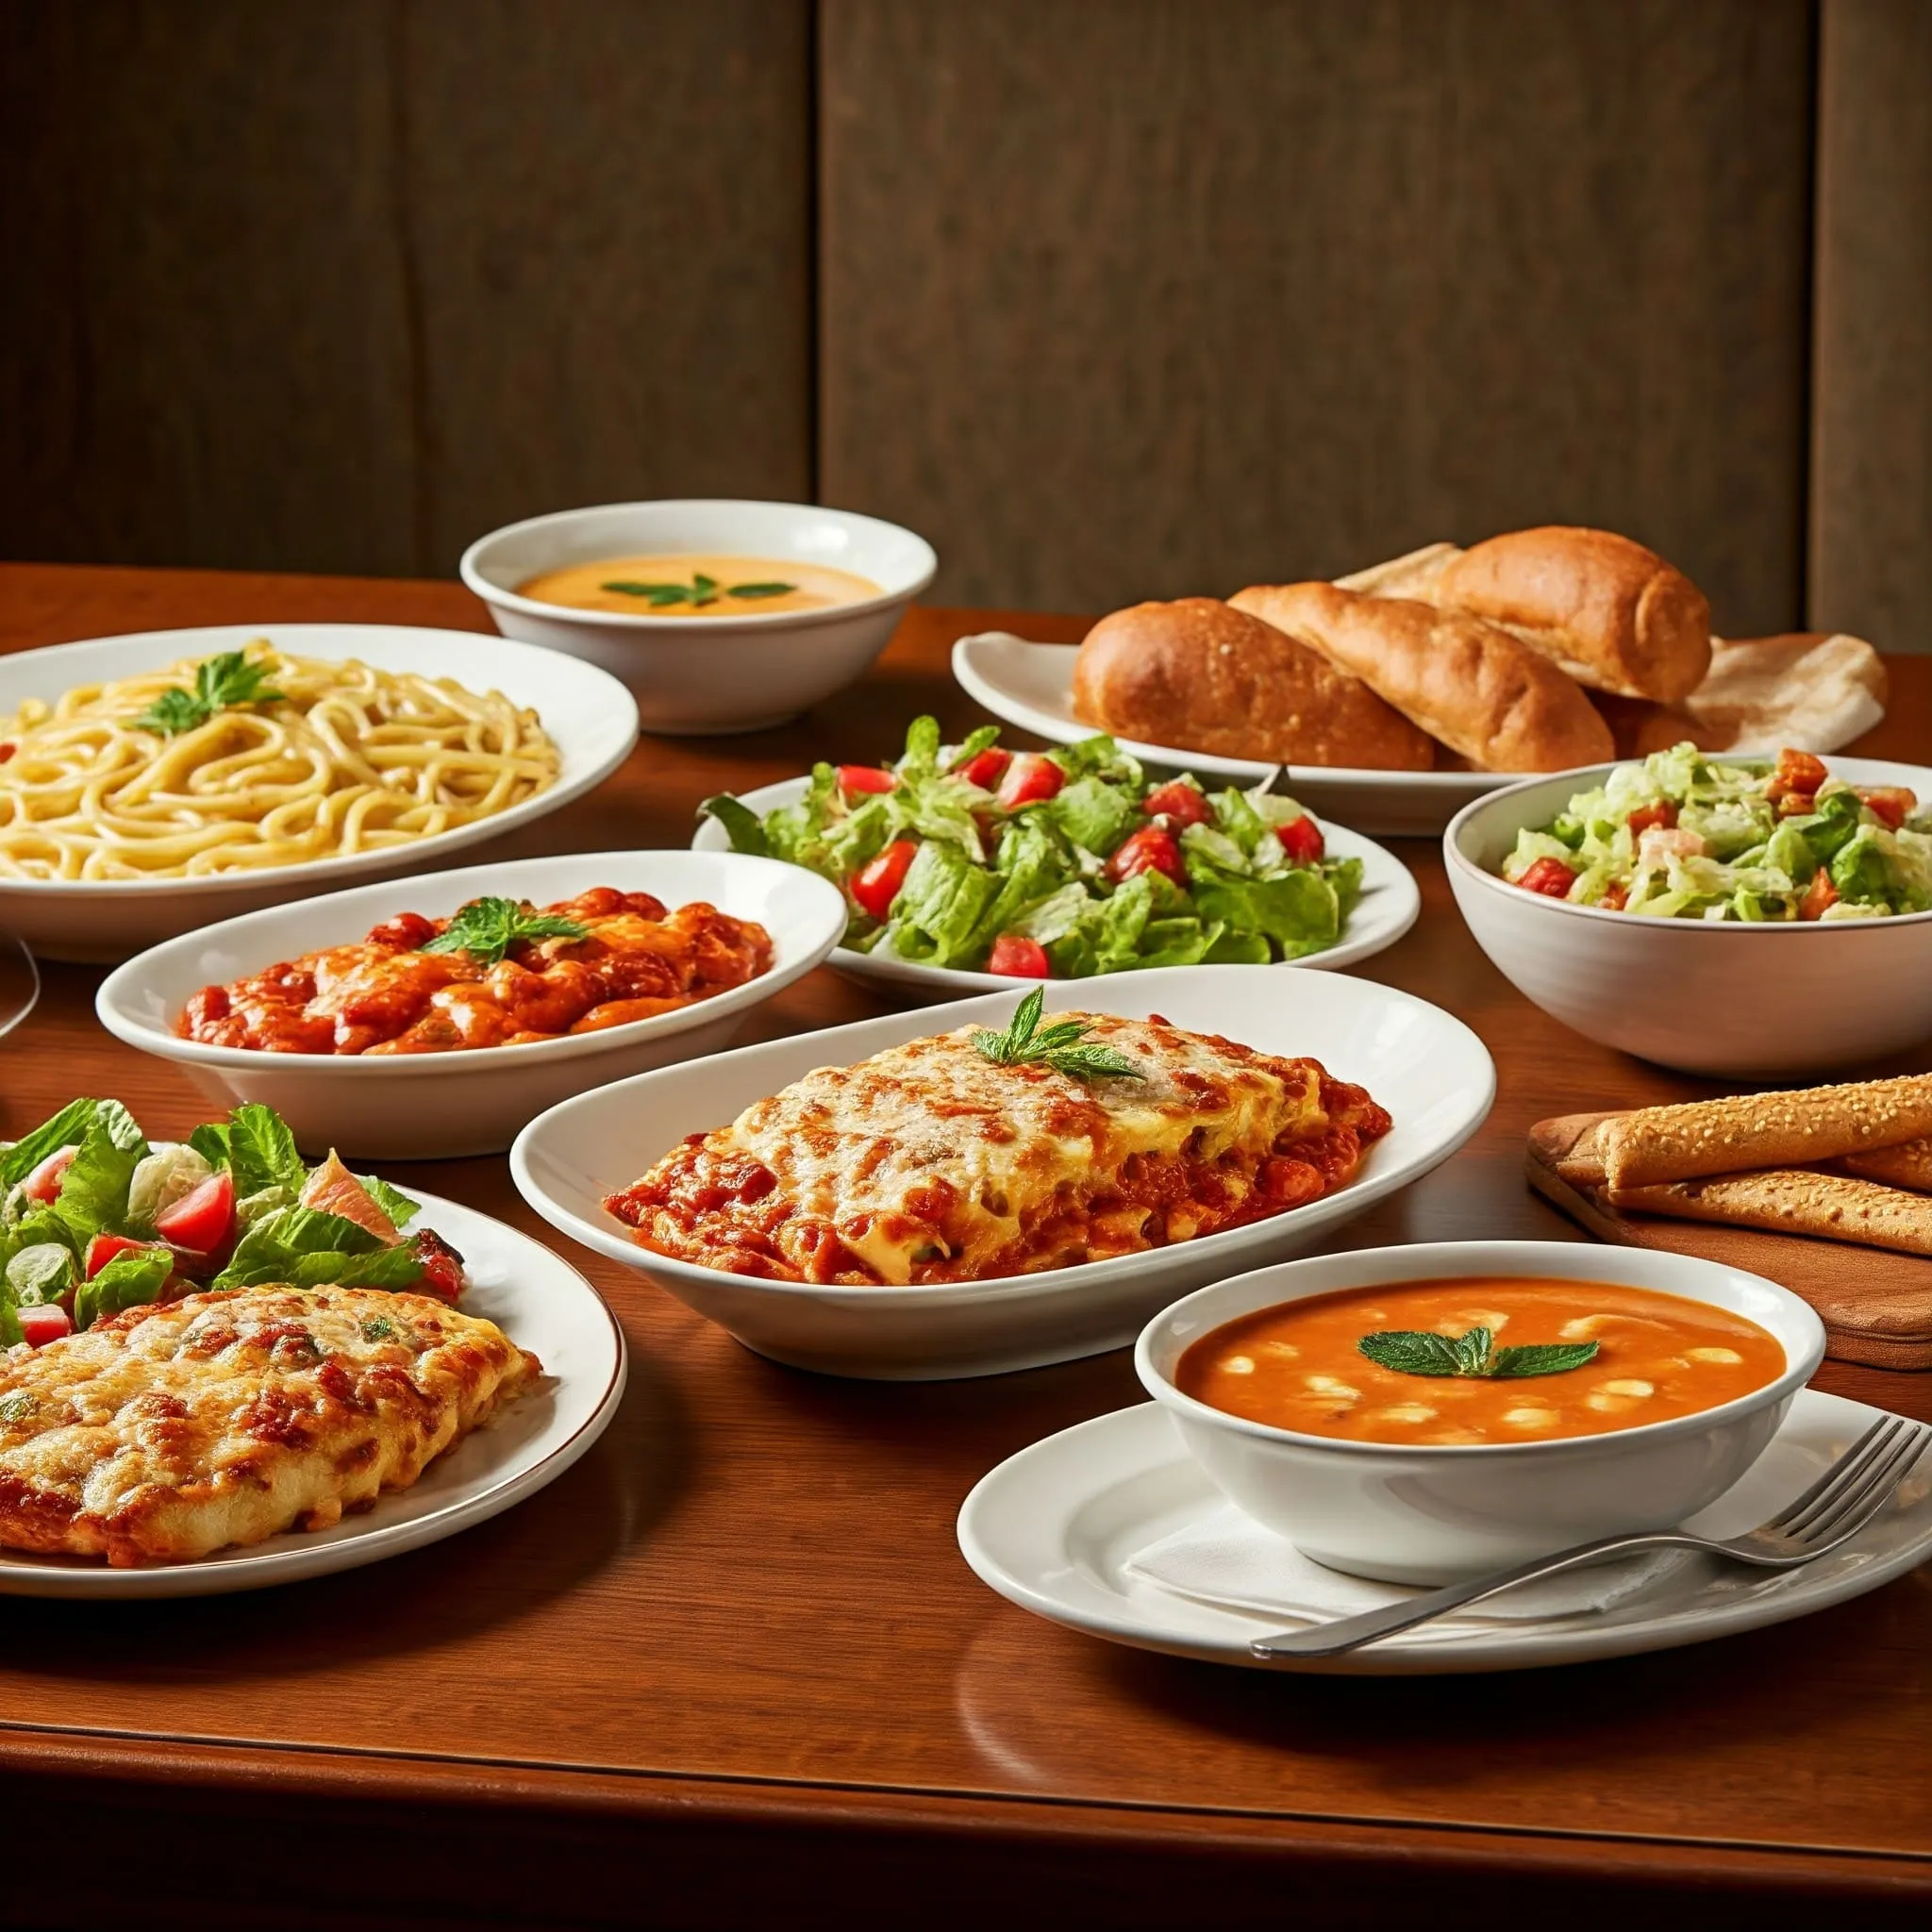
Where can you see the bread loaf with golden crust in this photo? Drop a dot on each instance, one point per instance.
(1201, 676)
(1601, 606)
(1499, 704)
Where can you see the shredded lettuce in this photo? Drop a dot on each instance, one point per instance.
(1713, 843)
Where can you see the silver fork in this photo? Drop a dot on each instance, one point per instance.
(1835, 1508)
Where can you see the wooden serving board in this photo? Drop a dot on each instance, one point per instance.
(1876, 1306)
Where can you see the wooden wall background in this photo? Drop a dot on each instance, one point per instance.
(1110, 298)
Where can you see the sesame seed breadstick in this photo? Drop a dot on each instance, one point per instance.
(1659, 1145)
(1908, 1165)
(1832, 1206)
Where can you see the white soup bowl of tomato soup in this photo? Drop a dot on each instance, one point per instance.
(1734, 1000)
(787, 603)
(1414, 1476)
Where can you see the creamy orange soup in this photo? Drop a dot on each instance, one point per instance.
(1302, 1366)
(698, 584)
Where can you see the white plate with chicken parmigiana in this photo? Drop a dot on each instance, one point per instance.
(546, 1307)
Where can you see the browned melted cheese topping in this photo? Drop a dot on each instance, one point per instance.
(164, 1433)
(931, 1164)
(386, 996)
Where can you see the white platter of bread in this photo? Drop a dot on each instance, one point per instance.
(1399, 693)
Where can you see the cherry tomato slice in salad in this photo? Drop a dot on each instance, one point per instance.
(1030, 778)
(1891, 805)
(986, 768)
(1662, 814)
(102, 1249)
(43, 1183)
(1153, 848)
(1821, 895)
(853, 779)
(47, 1322)
(200, 1221)
(442, 1267)
(1178, 803)
(1549, 877)
(1797, 770)
(1018, 958)
(1301, 840)
(877, 883)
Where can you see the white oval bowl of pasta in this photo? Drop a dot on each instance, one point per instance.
(344, 752)
(438, 1105)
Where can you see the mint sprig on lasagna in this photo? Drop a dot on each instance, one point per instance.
(1063, 1046)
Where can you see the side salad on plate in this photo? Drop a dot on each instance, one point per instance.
(1057, 864)
(1684, 835)
(93, 1219)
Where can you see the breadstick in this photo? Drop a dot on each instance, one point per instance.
(1832, 1206)
(1759, 1130)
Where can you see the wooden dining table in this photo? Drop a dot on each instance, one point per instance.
(731, 1668)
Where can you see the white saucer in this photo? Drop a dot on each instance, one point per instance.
(1054, 1527)
(1032, 686)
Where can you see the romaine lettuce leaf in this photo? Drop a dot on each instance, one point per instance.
(134, 1277)
(1299, 910)
(261, 1151)
(67, 1129)
(93, 1190)
(940, 905)
(1093, 814)
(741, 824)
(42, 1272)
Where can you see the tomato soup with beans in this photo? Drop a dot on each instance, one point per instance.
(1480, 1360)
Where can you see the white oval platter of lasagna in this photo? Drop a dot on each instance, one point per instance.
(1011, 1180)
(540, 1302)
(155, 782)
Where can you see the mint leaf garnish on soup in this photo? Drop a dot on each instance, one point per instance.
(700, 591)
(1415, 1352)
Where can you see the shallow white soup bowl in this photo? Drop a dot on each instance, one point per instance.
(1439, 1513)
(589, 717)
(705, 674)
(428, 1106)
(1428, 1070)
(1731, 1000)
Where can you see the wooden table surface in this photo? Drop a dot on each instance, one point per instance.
(732, 1664)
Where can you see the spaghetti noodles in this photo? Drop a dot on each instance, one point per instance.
(341, 758)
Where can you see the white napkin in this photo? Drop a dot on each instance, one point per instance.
(1227, 1559)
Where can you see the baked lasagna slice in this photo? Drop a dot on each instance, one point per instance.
(932, 1163)
(166, 1432)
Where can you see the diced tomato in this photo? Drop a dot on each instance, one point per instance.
(861, 778)
(6, 751)
(1549, 877)
(1153, 848)
(877, 883)
(1796, 804)
(102, 1249)
(1019, 958)
(442, 1267)
(46, 1323)
(1891, 805)
(1301, 840)
(43, 1184)
(1797, 770)
(1615, 898)
(985, 769)
(1819, 896)
(1662, 814)
(1030, 779)
(200, 1221)
(1179, 804)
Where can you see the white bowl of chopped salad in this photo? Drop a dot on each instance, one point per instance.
(1745, 918)
(965, 867)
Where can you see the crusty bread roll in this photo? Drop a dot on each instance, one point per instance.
(1495, 700)
(1611, 613)
(1200, 676)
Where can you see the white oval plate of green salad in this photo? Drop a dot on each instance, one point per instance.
(1054, 858)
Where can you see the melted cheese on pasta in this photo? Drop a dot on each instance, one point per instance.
(930, 1152)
